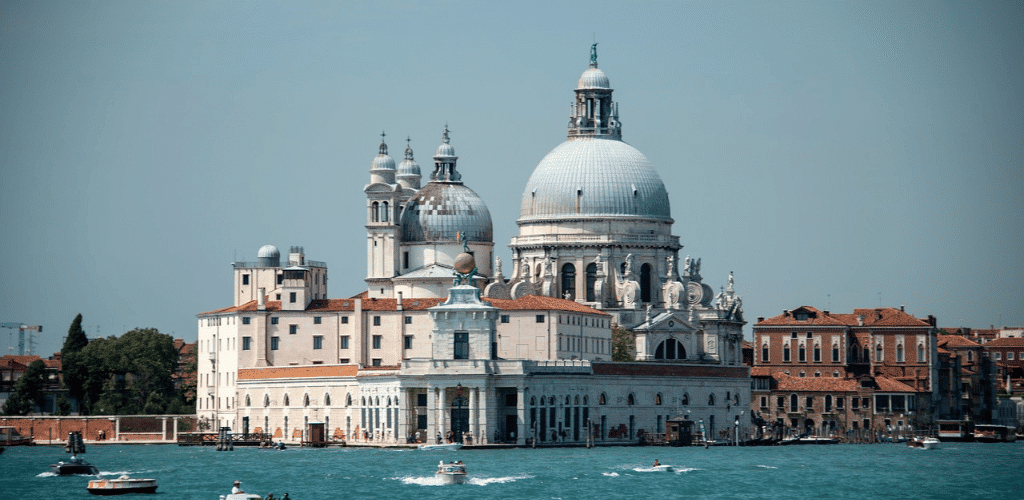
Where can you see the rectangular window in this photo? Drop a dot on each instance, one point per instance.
(376, 321)
(817, 354)
(786, 356)
(377, 362)
(317, 320)
(291, 297)
(274, 343)
(245, 279)
(318, 341)
(840, 402)
(344, 341)
(764, 402)
(764, 353)
(461, 348)
(408, 341)
(855, 403)
(780, 402)
(421, 400)
(408, 320)
(809, 335)
(293, 329)
(377, 341)
(792, 335)
(540, 318)
(405, 260)
(273, 320)
(810, 402)
(245, 320)
(803, 353)
(343, 361)
(280, 278)
(246, 343)
(866, 403)
(835, 354)
(997, 355)
(504, 318)
(344, 320)
(1009, 355)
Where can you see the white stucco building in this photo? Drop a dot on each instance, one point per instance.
(493, 359)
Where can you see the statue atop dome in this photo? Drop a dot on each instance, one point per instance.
(593, 55)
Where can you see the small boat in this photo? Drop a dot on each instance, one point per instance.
(241, 496)
(451, 472)
(9, 436)
(74, 465)
(664, 468)
(444, 447)
(121, 485)
(804, 439)
(930, 443)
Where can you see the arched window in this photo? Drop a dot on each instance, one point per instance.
(764, 352)
(591, 281)
(899, 353)
(802, 353)
(630, 400)
(835, 353)
(305, 400)
(817, 353)
(793, 403)
(384, 207)
(568, 401)
(879, 353)
(327, 400)
(645, 283)
(670, 349)
(551, 401)
(786, 356)
(657, 399)
(533, 401)
(348, 400)
(568, 281)
(920, 354)
(736, 399)
(602, 399)
(686, 399)
(266, 400)
(286, 400)
(867, 355)
(375, 212)
(584, 401)
(711, 399)
(247, 402)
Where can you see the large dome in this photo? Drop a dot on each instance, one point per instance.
(441, 210)
(593, 176)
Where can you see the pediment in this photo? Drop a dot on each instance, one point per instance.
(666, 322)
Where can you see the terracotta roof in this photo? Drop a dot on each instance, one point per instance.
(815, 384)
(886, 384)
(276, 372)
(879, 317)
(954, 341)
(527, 303)
(760, 371)
(1006, 342)
(28, 359)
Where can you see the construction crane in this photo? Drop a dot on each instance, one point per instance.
(22, 327)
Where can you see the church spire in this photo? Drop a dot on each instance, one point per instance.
(444, 161)
(594, 114)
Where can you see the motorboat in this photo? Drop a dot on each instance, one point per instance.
(805, 439)
(72, 466)
(664, 468)
(930, 443)
(451, 472)
(241, 496)
(442, 447)
(121, 486)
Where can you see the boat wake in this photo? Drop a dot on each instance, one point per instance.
(767, 466)
(610, 474)
(484, 481)
(674, 468)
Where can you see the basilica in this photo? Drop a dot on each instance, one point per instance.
(443, 343)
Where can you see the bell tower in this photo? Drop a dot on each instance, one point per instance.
(383, 196)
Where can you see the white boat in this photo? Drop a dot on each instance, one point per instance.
(241, 496)
(664, 468)
(121, 485)
(444, 447)
(451, 472)
(930, 443)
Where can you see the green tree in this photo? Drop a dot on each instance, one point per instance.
(74, 371)
(62, 406)
(28, 391)
(131, 374)
(623, 344)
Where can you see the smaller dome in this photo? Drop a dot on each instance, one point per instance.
(445, 150)
(593, 78)
(408, 166)
(269, 256)
(267, 251)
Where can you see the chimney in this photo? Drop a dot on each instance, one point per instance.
(860, 320)
(261, 300)
(399, 304)
(901, 308)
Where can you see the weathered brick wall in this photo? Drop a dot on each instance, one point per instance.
(93, 429)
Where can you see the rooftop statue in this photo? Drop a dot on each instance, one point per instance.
(593, 55)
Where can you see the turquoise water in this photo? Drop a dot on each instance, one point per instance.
(957, 470)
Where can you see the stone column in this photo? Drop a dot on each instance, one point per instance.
(484, 416)
(521, 414)
(402, 416)
(442, 428)
(472, 413)
(432, 428)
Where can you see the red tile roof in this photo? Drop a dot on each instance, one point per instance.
(276, 372)
(879, 317)
(1006, 342)
(886, 384)
(815, 384)
(954, 341)
(28, 359)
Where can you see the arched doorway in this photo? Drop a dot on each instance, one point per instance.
(645, 283)
(460, 417)
(568, 282)
(591, 281)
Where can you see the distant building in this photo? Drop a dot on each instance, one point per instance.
(875, 368)
(488, 358)
(12, 367)
(977, 376)
(1006, 353)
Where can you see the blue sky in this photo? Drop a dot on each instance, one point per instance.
(833, 154)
